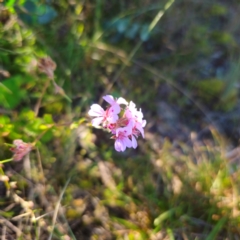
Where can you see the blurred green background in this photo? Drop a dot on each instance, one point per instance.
(178, 61)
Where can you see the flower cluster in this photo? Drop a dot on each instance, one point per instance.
(125, 124)
(20, 149)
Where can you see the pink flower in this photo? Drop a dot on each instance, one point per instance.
(136, 116)
(115, 104)
(111, 101)
(139, 125)
(20, 149)
(110, 116)
(127, 131)
(125, 124)
(102, 116)
(122, 141)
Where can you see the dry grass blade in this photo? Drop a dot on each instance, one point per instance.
(57, 208)
(18, 217)
(11, 226)
(106, 176)
(4, 231)
(27, 167)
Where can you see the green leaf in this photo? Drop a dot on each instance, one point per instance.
(4, 120)
(48, 118)
(27, 114)
(164, 216)
(125, 223)
(12, 91)
(218, 227)
(144, 34)
(48, 136)
(10, 4)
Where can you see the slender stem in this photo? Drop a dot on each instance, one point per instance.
(6, 160)
(2, 173)
(38, 104)
(58, 205)
(137, 47)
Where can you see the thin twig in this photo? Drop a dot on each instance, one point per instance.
(106, 176)
(27, 167)
(16, 218)
(10, 225)
(40, 166)
(38, 104)
(4, 231)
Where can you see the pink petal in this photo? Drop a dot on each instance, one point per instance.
(96, 111)
(127, 142)
(124, 131)
(119, 145)
(134, 142)
(123, 146)
(128, 114)
(132, 105)
(112, 118)
(17, 142)
(144, 122)
(122, 101)
(97, 121)
(115, 108)
(139, 114)
(140, 129)
(109, 99)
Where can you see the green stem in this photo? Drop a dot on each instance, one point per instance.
(6, 160)
(2, 173)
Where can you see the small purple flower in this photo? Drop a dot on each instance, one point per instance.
(115, 104)
(20, 149)
(125, 124)
(102, 116)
